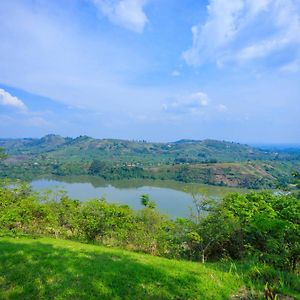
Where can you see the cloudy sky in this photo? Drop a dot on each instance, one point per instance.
(159, 70)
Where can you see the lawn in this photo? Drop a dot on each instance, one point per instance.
(45, 268)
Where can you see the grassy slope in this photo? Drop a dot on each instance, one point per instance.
(46, 268)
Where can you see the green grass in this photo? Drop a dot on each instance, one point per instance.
(46, 268)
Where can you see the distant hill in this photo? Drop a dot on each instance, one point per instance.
(206, 161)
(182, 151)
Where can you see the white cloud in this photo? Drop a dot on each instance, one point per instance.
(7, 99)
(241, 31)
(200, 98)
(23, 116)
(125, 13)
(192, 104)
(291, 67)
(222, 108)
(175, 73)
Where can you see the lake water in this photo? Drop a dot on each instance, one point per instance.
(172, 198)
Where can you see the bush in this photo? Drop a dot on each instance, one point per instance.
(260, 224)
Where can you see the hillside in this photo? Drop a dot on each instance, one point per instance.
(207, 161)
(121, 150)
(47, 268)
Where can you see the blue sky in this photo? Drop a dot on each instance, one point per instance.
(159, 70)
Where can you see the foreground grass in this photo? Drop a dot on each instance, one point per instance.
(46, 268)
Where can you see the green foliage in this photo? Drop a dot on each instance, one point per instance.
(101, 221)
(66, 214)
(21, 210)
(145, 201)
(260, 224)
(276, 281)
(99, 167)
(112, 172)
(150, 231)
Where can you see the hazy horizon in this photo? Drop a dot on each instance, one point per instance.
(258, 145)
(151, 70)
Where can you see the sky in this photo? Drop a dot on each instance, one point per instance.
(156, 70)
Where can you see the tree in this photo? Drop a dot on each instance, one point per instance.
(257, 224)
(150, 232)
(145, 201)
(99, 220)
(21, 210)
(198, 240)
(99, 167)
(202, 204)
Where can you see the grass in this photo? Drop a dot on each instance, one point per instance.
(46, 268)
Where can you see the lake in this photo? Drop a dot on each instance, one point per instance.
(171, 197)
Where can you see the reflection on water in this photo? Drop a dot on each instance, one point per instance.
(171, 197)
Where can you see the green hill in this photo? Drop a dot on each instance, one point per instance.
(46, 268)
(142, 151)
(206, 161)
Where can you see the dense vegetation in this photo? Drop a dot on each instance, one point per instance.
(261, 227)
(208, 161)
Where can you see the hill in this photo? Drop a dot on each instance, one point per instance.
(182, 151)
(206, 161)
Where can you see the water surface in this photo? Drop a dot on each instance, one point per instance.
(171, 197)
